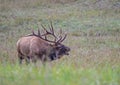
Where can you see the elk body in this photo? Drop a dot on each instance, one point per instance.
(37, 46)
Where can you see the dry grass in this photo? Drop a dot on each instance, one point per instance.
(95, 33)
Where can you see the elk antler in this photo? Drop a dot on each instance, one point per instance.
(61, 39)
(50, 32)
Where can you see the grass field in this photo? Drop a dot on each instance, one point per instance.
(93, 35)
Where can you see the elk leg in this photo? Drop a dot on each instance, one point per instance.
(20, 58)
(33, 59)
(43, 59)
(27, 60)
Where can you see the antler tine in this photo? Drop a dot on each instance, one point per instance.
(51, 27)
(45, 29)
(62, 39)
(33, 32)
(60, 36)
(59, 39)
(39, 32)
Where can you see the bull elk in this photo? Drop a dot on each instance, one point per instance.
(38, 46)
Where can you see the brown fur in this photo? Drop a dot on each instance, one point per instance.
(34, 48)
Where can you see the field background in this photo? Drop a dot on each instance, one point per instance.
(93, 28)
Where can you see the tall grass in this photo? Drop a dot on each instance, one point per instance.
(58, 75)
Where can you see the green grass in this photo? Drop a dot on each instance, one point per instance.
(93, 36)
(58, 75)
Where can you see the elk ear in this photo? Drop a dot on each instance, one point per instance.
(57, 47)
(53, 45)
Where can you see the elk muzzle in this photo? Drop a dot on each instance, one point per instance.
(63, 50)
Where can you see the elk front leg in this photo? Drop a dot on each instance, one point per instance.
(34, 59)
(27, 60)
(43, 60)
(20, 58)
